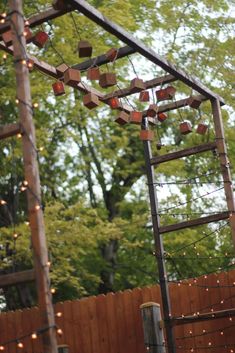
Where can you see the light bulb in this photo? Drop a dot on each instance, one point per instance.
(59, 331)
(34, 336)
(59, 314)
(20, 345)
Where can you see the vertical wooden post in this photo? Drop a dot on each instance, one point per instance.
(224, 163)
(153, 327)
(31, 172)
(159, 248)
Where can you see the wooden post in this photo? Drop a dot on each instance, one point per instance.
(31, 172)
(224, 162)
(153, 327)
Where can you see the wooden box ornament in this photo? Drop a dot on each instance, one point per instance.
(137, 85)
(93, 73)
(146, 135)
(202, 128)
(84, 49)
(60, 69)
(59, 4)
(107, 79)
(91, 101)
(122, 118)
(185, 127)
(161, 117)
(111, 54)
(114, 102)
(58, 88)
(166, 93)
(152, 110)
(194, 102)
(40, 39)
(7, 37)
(72, 77)
(144, 96)
(135, 117)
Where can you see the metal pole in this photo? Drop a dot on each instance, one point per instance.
(159, 249)
(31, 172)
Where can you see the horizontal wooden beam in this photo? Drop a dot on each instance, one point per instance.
(40, 18)
(9, 130)
(96, 16)
(203, 317)
(149, 84)
(194, 222)
(183, 153)
(180, 103)
(102, 59)
(15, 278)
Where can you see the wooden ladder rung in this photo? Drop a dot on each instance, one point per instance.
(15, 278)
(194, 222)
(9, 130)
(183, 153)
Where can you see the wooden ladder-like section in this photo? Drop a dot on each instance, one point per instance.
(158, 230)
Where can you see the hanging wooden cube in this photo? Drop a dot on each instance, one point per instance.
(30, 64)
(107, 79)
(202, 128)
(122, 118)
(136, 117)
(114, 102)
(40, 39)
(166, 93)
(93, 73)
(59, 4)
(91, 101)
(60, 69)
(161, 117)
(84, 49)
(152, 110)
(185, 127)
(137, 85)
(58, 88)
(194, 102)
(7, 37)
(72, 77)
(144, 96)
(146, 135)
(111, 54)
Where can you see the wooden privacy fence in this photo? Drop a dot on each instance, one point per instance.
(112, 323)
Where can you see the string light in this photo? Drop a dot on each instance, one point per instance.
(37, 207)
(3, 202)
(4, 56)
(59, 331)
(59, 314)
(20, 345)
(34, 335)
(53, 290)
(2, 348)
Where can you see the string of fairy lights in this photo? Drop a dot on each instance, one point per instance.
(24, 186)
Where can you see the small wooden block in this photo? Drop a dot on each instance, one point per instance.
(185, 127)
(40, 39)
(152, 110)
(61, 69)
(232, 221)
(72, 77)
(91, 101)
(114, 102)
(166, 93)
(161, 117)
(111, 54)
(7, 37)
(122, 118)
(107, 79)
(58, 88)
(84, 49)
(144, 96)
(59, 5)
(135, 117)
(137, 85)
(30, 64)
(194, 102)
(202, 128)
(146, 135)
(93, 73)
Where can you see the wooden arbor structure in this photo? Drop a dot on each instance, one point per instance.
(26, 128)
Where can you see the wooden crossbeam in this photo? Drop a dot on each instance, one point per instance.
(203, 317)
(102, 59)
(194, 222)
(149, 84)
(15, 278)
(9, 130)
(96, 16)
(183, 153)
(40, 18)
(180, 103)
